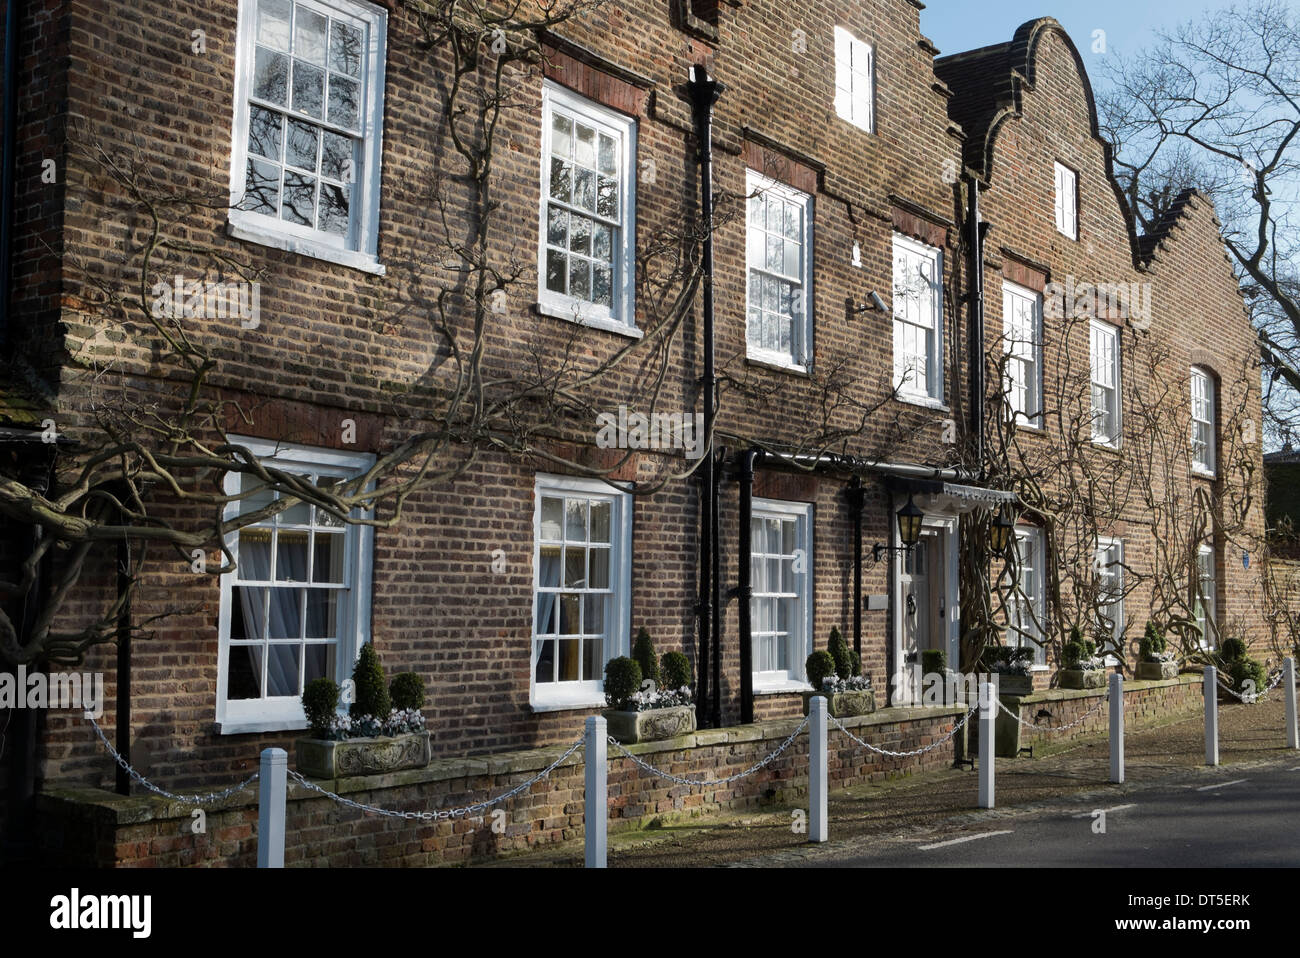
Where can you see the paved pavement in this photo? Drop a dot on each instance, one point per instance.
(1241, 817)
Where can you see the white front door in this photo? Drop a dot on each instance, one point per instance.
(922, 608)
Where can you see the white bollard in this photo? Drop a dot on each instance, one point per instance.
(595, 792)
(1116, 727)
(988, 714)
(818, 826)
(1288, 683)
(273, 790)
(1211, 715)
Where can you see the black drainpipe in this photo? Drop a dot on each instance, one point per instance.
(123, 716)
(20, 825)
(719, 608)
(976, 241)
(856, 497)
(703, 92)
(8, 162)
(745, 462)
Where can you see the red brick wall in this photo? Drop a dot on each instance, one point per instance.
(85, 826)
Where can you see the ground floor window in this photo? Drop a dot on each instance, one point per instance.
(296, 608)
(582, 586)
(781, 607)
(1206, 594)
(1026, 609)
(1110, 588)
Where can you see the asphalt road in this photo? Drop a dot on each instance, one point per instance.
(1247, 817)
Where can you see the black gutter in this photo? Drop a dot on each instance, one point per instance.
(703, 92)
(8, 162)
(745, 462)
(856, 497)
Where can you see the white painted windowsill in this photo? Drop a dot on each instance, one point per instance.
(247, 726)
(568, 706)
(782, 689)
(608, 325)
(246, 229)
(928, 402)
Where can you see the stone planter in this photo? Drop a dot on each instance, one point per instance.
(1079, 679)
(322, 758)
(652, 724)
(842, 704)
(1010, 684)
(1150, 671)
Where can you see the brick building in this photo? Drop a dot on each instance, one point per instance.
(844, 157)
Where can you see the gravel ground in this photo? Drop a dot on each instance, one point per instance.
(926, 801)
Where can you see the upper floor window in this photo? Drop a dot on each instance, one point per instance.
(918, 321)
(582, 532)
(1067, 201)
(1022, 313)
(781, 607)
(1203, 451)
(297, 606)
(309, 79)
(586, 250)
(1027, 609)
(854, 63)
(1105, 383)
(778, 305)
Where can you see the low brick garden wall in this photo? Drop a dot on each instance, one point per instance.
(77, 825)
(1145, 704)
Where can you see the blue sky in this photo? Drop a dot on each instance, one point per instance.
(1130, 25)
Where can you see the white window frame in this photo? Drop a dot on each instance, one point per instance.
(359, 249)
(1024, 349)
(282, 713)
(1095, 328)
(1203, 399)
(1104, 546)
(1067, 200)
(1207, 602)
(620, 316)
(554, 696)
(801, 323)
(793, 679)
(1020, 625)
(855, 81)
(903, 248)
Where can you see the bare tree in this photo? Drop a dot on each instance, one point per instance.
(1216, 105)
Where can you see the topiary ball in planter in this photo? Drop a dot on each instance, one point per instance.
(675, 669)
(1072, 654)
(819, 666)
(407, 691)
(320, 701)
(1233, 650)
(622, 679)
(839, 650)
(370, 686)
(934, 662)
(643, 653)
(1245, 670)
(857, 663)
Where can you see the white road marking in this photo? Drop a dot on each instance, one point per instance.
(1235, 781)
(1296, 769)
(1117, 808)
(966, 838)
